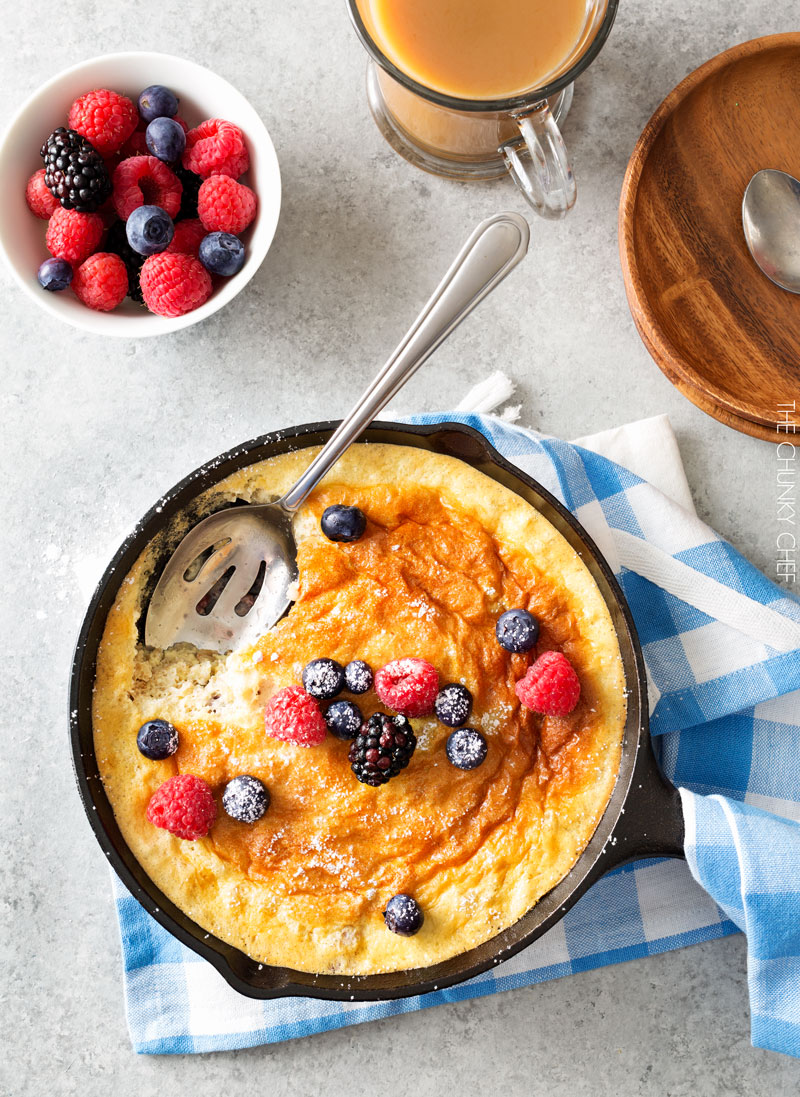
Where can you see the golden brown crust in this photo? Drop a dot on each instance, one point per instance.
(446, 550)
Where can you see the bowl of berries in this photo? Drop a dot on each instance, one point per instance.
(143, 194)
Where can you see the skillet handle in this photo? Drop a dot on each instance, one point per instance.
(652, 825)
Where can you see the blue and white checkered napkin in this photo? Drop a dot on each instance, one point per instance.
(722, 647)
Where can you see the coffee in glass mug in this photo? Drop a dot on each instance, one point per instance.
(472, 89)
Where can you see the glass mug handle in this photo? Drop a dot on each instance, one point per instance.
(539, 163)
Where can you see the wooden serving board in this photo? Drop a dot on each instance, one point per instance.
(718, 328)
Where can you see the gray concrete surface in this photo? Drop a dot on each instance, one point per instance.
(93, 430)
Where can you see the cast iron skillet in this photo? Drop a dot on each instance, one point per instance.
(643, 817)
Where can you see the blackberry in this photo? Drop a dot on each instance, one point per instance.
(191, 184)
(117, 243)
(74, 171)
(382, 748)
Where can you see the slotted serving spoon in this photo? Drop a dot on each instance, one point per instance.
(229, 579)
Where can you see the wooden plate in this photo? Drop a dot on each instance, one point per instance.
(718, 328)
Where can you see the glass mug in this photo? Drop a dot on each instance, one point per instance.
(482, 138)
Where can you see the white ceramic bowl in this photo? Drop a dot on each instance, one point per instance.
(202, 95)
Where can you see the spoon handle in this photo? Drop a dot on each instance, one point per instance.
(493, 249)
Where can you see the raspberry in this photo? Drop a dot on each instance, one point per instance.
(216, 147)
(223, 205)
(136, 145)
(294, 716)
(408, 686)
(145, 181)
(183, 805)
(105, 118)
(174, 284)
(101, 282)
(551, 685)
(40, 201)
(186, 238)
(73, 236)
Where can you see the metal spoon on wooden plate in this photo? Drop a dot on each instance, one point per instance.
(771, 222)
(254, 546)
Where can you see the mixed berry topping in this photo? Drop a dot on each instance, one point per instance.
(294, 716)
(403, 915)
(245, 798)
(323, 678)
(453, 704)
(517, 630)
(341, 523)
(466, 748)
(183, 805)
(382, 748)
(408, 686)
(551, 685)
(157, 740)
(344, 719)
(137, 158)
(358, 676)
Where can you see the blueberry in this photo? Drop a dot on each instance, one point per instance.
(403, 915)
(157, 740)
(222, 253)
(165, 139)
(149, 230)
(54, 274)
(157, 102)
(245, 798)
(344, 719)
(358, 676)
(453, 704)
(466, 748)
(517, 630)
(340, 523)
(323, 678)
